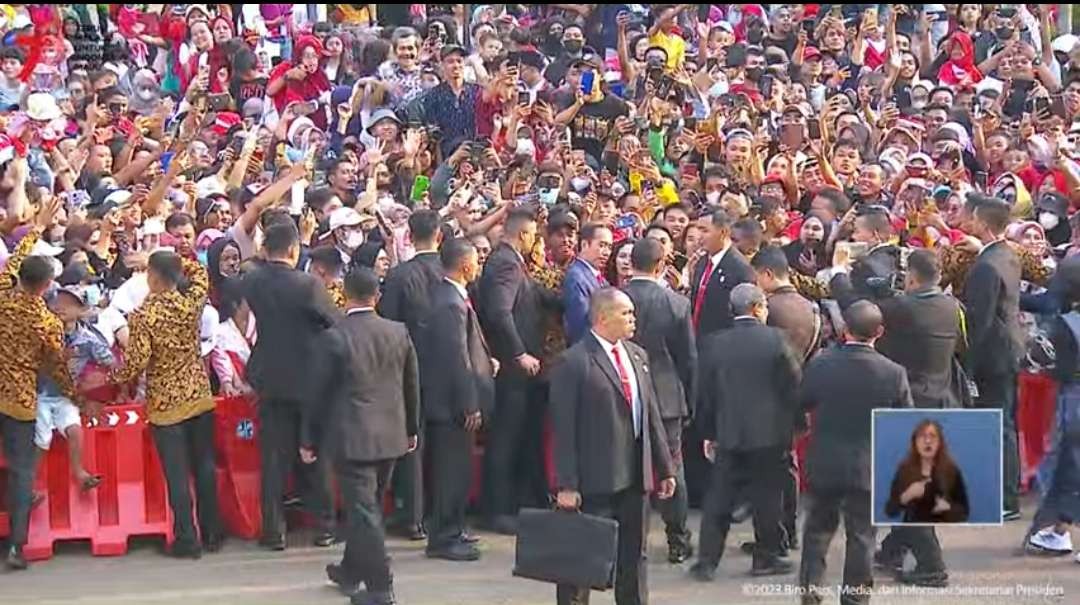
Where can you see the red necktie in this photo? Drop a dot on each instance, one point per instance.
(600, 281)
(624, 378)
(699, 300)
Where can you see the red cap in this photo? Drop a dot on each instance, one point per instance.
(224, 121)
(810, 52)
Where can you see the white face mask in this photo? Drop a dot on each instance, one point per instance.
(713, 197)
(580, 183)
(719, 89)
(354, 239)
(1049, 220)
(548, 197)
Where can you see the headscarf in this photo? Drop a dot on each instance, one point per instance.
(1011, 188)
(213, 265)
(301, 90)
(962, 71)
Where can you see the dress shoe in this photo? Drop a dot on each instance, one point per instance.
(748, 548)
(15, 560)
(772, 567)
(679, 553)
(928, 579)
(185, 550)
(504, 524)
(385, 597)
(213, 543)
(325, 539)
(336, 574)
(273, 542)
(702, 572)
(454, 551)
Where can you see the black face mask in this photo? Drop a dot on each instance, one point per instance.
(754, 73)
(573, 46)
(1003, 33)
(755, 36)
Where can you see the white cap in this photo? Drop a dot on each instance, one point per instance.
(208, 186)
(344, 217)
(44, 248)
(1065, 43)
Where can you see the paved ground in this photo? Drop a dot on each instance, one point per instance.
(980, 560)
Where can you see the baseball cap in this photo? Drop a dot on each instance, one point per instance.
(811, 53)
(74, 292)
(452, 49)
(343, 217)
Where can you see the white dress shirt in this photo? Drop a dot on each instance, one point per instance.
(359, 310)
(635, 394)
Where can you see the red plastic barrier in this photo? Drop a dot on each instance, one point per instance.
(239, 474)
(1036, 404)
(131, 500)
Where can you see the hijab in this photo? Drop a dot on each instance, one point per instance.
(961, 71)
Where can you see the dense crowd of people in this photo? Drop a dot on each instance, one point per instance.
(633, 249)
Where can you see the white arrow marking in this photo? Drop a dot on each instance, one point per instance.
(113, 418)
(132, 417)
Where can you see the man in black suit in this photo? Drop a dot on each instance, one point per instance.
(871, 275)
(609, 439)
(512, 313)
(371, 422)
(992, 296)
(666, 332)
(407, 298)
(800, 321)
(747, 406)
(842, 386)
(458, 386)
(923, 333)
(716, 275)
(289, 371)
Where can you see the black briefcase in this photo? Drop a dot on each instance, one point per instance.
(566, 548)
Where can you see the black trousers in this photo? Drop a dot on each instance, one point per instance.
(18, 437)
(630, 508)
(921, 541)
(279, 450)
(822, 521)
(186, 450)
(363, 485)
(675, 509)
(999, 392)
(790, 498)
(515, 452)
(407, 484)
(450, 452)
(761, 473)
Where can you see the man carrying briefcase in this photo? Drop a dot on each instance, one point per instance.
(609, 439)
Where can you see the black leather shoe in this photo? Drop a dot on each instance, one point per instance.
(185, 550)
(325, 539)
(932, 579)
(374, 598)
(772, 567)
(273, 542)
(679, 553)
(454, 551)
(213, 543)
(504, 524)
(336, 574)
(14, 559)
(701, 572)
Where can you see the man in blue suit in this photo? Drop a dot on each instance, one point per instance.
(584, 276)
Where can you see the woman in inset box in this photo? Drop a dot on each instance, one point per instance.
(928, 486)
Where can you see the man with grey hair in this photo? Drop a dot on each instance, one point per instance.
(609, 439)
(403, 73)
(746, 412)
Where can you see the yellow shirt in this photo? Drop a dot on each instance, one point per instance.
(164, 341)
(33, 339)
(673, 45)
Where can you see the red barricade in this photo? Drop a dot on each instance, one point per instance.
(239, 474)
(1036, 404)
(131, 500)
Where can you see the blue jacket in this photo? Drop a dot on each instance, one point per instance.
(578, 285)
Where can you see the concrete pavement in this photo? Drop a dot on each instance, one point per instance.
(983, 564)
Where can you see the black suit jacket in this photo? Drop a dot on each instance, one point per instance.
(841, 387)
(376, 407)
(456, 370)
(923, 334)
(715, 312)
(665, 330)
(879, 264)
(748, 396)
(596, 452)
(290, 360)
(406, 294)
(992, 297)
(511, 308)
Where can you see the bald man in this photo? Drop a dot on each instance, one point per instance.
(609, 438)
(842, 386)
